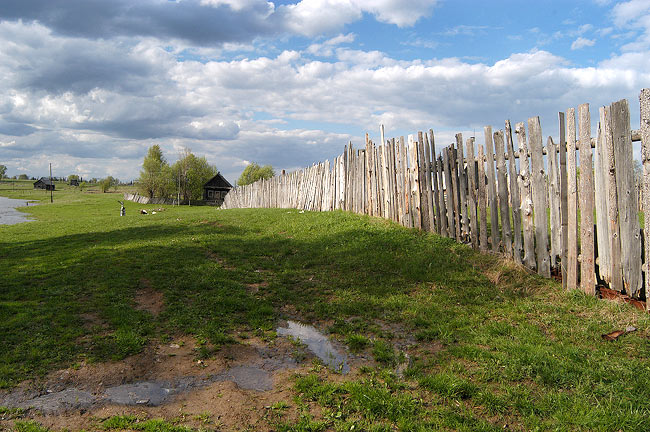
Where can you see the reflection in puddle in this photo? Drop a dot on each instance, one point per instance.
(317, 343)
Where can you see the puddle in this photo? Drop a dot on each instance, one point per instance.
(143, 393)
(69, 399)
(248, 378)
(317, 343)
(8, 213)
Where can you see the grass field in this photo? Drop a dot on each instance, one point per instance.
(490, 346)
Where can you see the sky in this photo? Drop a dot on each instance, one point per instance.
(90, 85)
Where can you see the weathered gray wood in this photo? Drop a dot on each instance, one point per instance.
(422, 182)
(644, 100)
(502, 192)
(627, 198)
(482, 202)
(415, 182)
(436, 182)
(399, 180)
(526, 198)
(538, 183)
(586, 196)
(451, 226)
(453, 168)
(600, 184)
(515, 201)
(564, 211)
(492, 190)
(462, 188)
(554, 202)
(572, 202)
(444, 228)
(471, 193)
(408, 214)
(429, 185)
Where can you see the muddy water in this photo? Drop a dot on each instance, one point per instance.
(317, 343)
(8, 213)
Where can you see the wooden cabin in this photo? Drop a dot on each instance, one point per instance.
(44, 183)
(216, 189)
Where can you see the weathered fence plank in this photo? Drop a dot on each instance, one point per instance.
(572, 207)
(444, 226)
(644, 100)
(492, 189)
(628, 214)
(601, 197)
(504, 204)
(515, 202)
(482, 204)
(462, 188)
(526, 198)
(471, 193)
(451, 225)
(586, 196)
(429, 185)
(554, 201)
(564, 211)
(538, 186)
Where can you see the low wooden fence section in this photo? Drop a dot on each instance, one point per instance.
(588, 228)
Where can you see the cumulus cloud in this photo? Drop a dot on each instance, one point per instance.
(94, 104)
(582, 42)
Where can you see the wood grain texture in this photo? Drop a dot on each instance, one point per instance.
(564, 211)
(462, 188)
(492, 190)
(502, 193)
(471, 193)
(482, 200)
(436, 182)
(644, 100)
(554, 201)
(444, 225)
(449, 193)
(601, 197)
(515, 200)
(526, 198)
(627, 198)
(586, 197)
(538, 186)
(572, 201)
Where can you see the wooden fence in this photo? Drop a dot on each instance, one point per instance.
(588, 230)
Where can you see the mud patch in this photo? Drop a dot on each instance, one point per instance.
(148, 299)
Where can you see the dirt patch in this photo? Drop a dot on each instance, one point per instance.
(231, 391)
(214, 257)
(148, 299)
(255, 287)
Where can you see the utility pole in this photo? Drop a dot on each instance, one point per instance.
(51, 185)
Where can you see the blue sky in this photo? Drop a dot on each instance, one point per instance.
(89, 85)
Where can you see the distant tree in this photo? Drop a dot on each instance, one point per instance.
(3, 171)
(108, 183)
(23, 177)
(73, 177)
(254, 172)
(190, 173)
(155, 176)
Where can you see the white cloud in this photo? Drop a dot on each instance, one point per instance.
(314, 17)
(582, 42)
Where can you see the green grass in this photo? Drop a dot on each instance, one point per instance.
(493, 345)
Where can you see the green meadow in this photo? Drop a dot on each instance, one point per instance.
(483, 344)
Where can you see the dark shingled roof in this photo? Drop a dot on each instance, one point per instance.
(218, 181)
